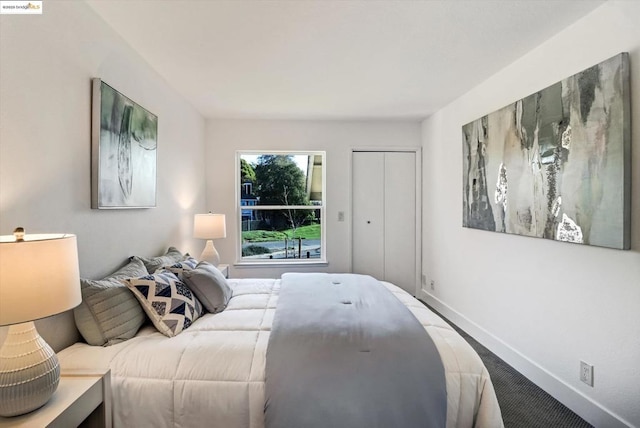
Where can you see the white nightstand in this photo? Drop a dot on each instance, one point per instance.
(224, 269)
(83, 398)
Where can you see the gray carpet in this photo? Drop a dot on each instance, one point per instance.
(523, 404)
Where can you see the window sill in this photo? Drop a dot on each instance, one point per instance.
(252, 264)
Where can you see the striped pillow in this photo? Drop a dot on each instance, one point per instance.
(109, 312)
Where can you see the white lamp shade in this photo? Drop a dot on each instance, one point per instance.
(39, 277)
(209, 226)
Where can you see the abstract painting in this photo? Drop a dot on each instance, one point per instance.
(124, 140)
(555, 164)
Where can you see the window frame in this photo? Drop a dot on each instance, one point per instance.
(322, 261)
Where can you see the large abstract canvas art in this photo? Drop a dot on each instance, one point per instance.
(124, 150)
(555, 164)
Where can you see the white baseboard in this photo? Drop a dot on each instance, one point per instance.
(591, 411)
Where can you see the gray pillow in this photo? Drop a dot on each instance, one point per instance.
(209, 285)
(152, 264)
(109, 312)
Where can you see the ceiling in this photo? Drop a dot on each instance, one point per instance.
(332, 59)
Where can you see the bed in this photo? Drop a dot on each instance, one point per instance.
(213, 373)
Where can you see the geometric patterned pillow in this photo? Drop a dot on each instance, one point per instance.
(168, 302)
(179, 267)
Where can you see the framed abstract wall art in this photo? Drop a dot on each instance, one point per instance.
(557, 163)
(124, 141)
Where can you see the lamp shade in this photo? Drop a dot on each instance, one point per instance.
(39, 277)
(209, 226)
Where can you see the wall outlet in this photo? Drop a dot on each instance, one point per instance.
(424, 279)
(432, 284)
(340, 215)
(586, 373)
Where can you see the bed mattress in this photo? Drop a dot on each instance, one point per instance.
(212, 374)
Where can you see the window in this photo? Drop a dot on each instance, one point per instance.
(281, 207)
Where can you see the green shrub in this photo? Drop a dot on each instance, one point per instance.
(254, 250)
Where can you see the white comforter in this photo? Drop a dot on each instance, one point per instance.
(212, 374)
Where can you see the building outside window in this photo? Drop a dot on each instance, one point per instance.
(281, 207)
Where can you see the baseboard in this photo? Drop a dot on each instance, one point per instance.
(591, 411)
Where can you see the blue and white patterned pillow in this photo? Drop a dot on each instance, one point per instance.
(167, 301)
(179, 267)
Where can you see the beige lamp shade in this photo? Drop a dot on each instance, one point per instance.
(209, 226)
(39, 277)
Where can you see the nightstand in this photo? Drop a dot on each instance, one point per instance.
(83, 398)
(224, 269)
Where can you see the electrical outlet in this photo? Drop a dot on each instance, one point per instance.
(586, 373)
(433, 285)
(340, 215)
(424, 279)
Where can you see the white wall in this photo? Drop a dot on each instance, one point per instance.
(541, 305)
(46, 65)
(337, 138)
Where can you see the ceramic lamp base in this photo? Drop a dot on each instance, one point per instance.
(210, 254)
(29, 371)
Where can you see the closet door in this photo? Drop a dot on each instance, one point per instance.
(384, 216)
(400, 219)
(368, 214)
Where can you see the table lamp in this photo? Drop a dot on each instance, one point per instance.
(209, 227)
(39, 277)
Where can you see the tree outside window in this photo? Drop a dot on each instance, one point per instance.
(281, 205)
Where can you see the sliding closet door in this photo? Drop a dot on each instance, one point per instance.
(368, 213)
(384, 216)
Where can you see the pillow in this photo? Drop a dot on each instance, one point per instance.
(109, 312)
(173, 255)
(178, 268)
(209, 285)
(168, 302)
